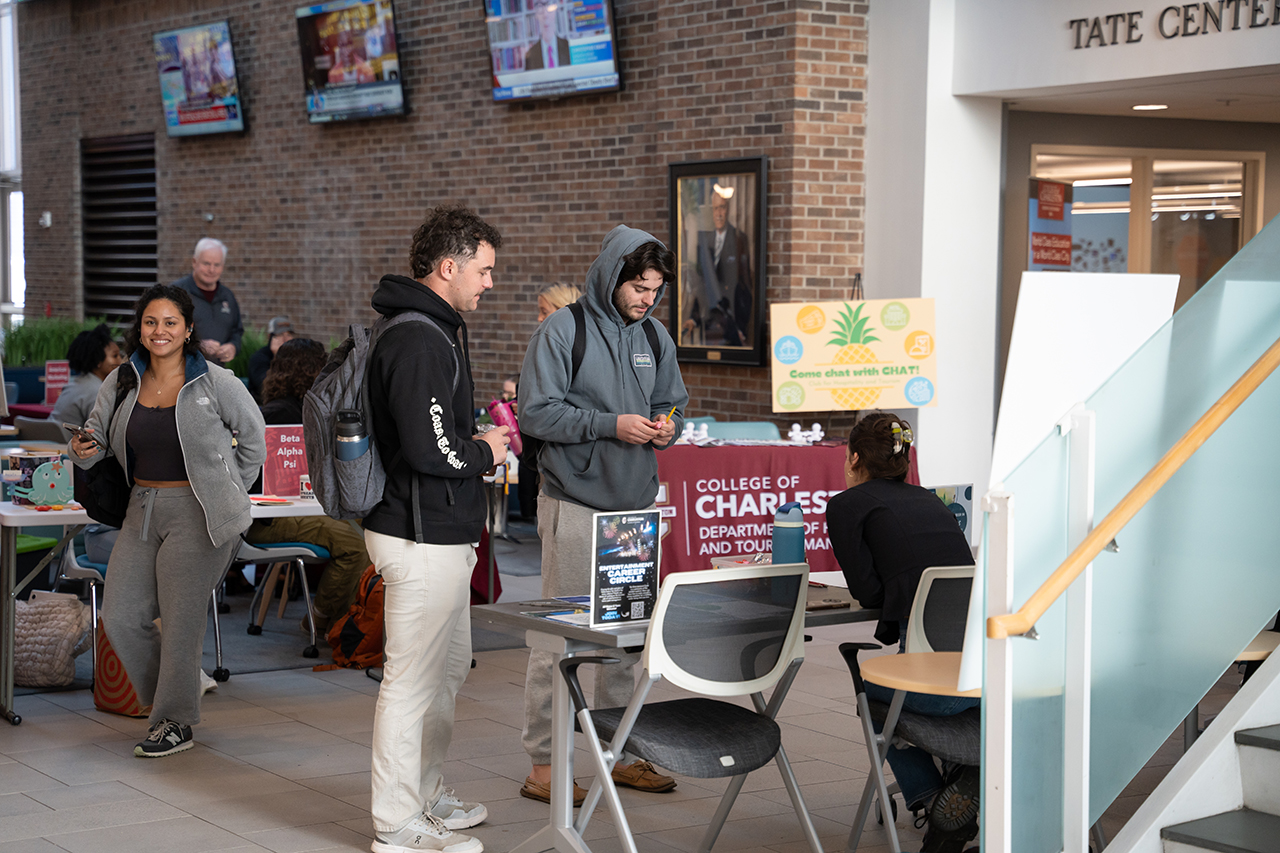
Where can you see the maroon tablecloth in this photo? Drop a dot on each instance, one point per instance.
(720, 501)
(30, 410)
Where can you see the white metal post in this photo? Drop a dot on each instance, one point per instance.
(997, 688)
(1081, 423)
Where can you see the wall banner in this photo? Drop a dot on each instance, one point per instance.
(874, 354)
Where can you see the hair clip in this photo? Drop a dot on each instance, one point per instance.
(901, 436)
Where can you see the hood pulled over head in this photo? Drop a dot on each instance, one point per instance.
(602, 277)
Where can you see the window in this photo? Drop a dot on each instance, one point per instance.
(1199, 208)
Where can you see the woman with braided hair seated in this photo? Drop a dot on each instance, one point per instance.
(884, 533)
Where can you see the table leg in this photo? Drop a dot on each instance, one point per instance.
(560, 835)
(8, 570)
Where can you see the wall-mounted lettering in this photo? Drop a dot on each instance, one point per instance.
(1190, 19)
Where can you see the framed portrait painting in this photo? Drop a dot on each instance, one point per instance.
(718, 233)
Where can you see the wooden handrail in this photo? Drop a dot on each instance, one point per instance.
(1022, 620)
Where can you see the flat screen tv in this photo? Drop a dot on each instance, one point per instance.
(350, 66)
(198, 80)
(551, 48)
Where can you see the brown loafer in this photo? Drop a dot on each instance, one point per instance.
(542, 791)
(642, 776)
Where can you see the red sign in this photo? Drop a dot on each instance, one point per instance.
(1052, 249)
(57, 374)
(720, 501)
(286, 461)
(1050, 199)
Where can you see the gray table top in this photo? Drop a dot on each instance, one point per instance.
(827, 606)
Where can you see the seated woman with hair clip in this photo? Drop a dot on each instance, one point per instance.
(885, 533)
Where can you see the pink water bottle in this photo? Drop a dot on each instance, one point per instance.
(503, 416)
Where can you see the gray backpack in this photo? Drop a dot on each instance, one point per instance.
(352, 488)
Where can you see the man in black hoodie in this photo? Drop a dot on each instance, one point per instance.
(420, 396)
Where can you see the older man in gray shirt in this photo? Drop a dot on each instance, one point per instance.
(217, 314)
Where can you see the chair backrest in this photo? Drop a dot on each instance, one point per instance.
(743, 429)
(940, 610)
(728, 632)
(37, 429)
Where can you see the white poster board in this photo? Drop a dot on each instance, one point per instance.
(1070, 333)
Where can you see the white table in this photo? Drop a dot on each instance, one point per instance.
(13, 517)
(564, 640)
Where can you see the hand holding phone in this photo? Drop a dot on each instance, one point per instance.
(83, 435)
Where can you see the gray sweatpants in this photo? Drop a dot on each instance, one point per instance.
(164, 565)
(565, 530)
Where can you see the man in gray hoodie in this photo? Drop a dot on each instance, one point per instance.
(600, 426)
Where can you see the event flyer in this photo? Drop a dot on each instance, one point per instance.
(624, 577)
(876, 354)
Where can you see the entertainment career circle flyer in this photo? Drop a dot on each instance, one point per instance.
(624, 578)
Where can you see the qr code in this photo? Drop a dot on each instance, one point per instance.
(637, 610)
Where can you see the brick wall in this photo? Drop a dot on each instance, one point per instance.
(314, 215)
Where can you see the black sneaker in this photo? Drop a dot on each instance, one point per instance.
(166, 738)
(956, 805)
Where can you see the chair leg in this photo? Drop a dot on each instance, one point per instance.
(877, 751)
(93, 612)
(603, 784)
(262, 598)
(220, 672)
(310, 651)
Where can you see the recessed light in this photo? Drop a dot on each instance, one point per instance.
(1145, 107)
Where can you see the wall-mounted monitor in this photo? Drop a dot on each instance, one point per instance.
(198, 80)
(350, 65)
(551, 48)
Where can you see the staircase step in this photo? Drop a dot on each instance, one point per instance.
(1243, 831)
(1267, 737)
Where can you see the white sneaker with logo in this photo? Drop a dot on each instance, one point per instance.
(425, 832)
(455, 814)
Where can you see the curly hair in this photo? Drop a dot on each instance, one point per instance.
(89, 349)
(648, 256)
(450, 231)
(882, 453)
(180, 298)
(294, 369)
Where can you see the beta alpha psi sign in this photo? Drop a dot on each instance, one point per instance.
(877, 354)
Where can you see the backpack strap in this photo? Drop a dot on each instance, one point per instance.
(652, 334)
(579, 339)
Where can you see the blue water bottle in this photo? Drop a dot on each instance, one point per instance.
(788, 534)
(352, 443)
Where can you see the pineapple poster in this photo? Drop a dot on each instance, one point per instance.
(877, 354)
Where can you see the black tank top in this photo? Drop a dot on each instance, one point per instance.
(152, 435)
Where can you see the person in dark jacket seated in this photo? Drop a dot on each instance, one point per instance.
(293, 369)
(885, 533)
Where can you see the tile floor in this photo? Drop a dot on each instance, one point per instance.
(282, 764)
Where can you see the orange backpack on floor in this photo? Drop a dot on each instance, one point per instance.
(356, 636)
(112, 690)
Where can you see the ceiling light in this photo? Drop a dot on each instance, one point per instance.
(1145, 107)
(1103, 182)
(724, 192)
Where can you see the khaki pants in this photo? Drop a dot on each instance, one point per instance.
(427, 618)
(565, 529)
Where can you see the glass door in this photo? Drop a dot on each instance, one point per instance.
(1203, 206)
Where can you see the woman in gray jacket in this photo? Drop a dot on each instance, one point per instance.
(189, 438)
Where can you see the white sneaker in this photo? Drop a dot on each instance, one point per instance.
(206, 683)
(455, 814)
(425, 832)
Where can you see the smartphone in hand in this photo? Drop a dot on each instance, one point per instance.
(82, 433)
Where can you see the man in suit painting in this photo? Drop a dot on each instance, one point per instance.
(724, 263)
(550, 50)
